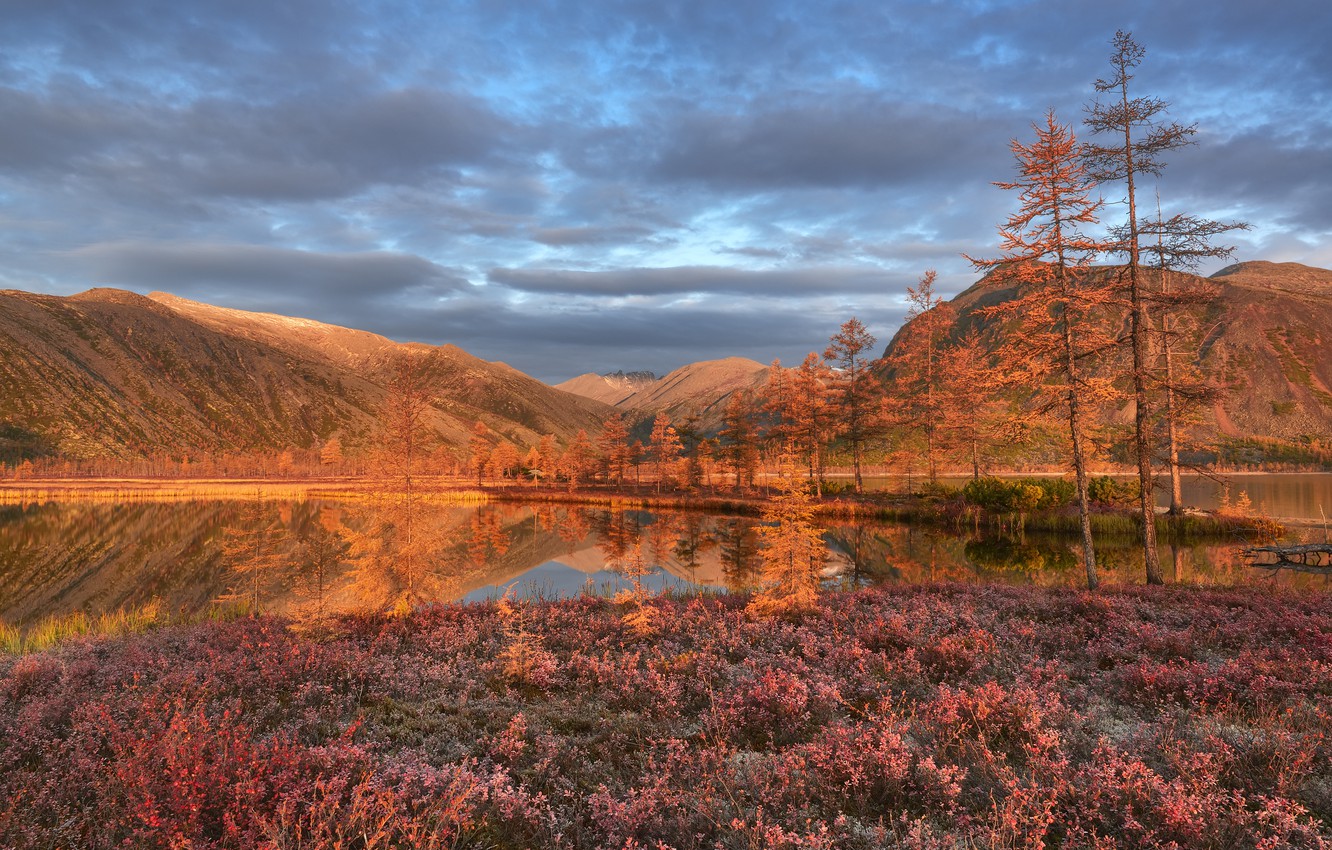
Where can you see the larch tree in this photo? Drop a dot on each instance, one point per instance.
(614, 444)
(739, 439)
(666, 447)
(919, 367)
(810, 414)
(796, 402)
(853, 387)
(479, 447)
(1047, 256)
(579, 460)
(406, 439)
(972, 394)
(793, 552)
(1137, 140)
(331, 452)
(1176, 244)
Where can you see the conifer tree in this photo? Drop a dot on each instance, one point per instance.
(793, 551)
(1176, 244)
(853, 387)
(579, 459)
(479, 447)
(739, 439)
(666, 448)
(918, 361)
(1137, 140)
(614, 444)
(1046, 255)
(405, 443)
(977, 414)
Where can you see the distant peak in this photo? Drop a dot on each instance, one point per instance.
(641, 375)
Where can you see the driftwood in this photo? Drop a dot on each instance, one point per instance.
(1303, 554)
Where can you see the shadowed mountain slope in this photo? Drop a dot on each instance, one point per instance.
(1264, 338)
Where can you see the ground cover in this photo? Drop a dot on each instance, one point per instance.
(942, 716)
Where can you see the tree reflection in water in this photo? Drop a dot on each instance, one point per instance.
(313, 558)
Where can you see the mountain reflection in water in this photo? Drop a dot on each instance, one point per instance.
(291, 557)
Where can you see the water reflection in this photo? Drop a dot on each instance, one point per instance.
(309, 558)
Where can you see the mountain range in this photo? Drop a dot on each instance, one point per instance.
(110, 373)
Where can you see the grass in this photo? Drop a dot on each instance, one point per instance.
(56, 630)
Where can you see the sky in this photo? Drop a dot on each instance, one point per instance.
(577, 186)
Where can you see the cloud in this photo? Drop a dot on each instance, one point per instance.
(186, 268)
(857, 140)
(780, 283)
(680, 180)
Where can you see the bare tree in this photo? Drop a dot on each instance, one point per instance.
(1138, 139)
(1175, 244)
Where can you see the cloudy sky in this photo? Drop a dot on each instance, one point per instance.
(576, 185)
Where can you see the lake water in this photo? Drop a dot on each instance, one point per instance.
(1303, 496)
(57, 558)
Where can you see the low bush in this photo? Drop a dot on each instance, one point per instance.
(1018, 495)
(916, 717)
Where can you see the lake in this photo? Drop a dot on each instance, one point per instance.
(1297, 495)
(298, 556)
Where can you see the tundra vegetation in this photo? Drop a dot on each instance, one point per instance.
(921, 717)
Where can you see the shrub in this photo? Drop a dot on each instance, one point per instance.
(1010, 496)
(1113, 492)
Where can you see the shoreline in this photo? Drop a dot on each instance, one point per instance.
(881, 505)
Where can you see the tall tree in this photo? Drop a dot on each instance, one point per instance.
(977, 413)
(1138, 139)
(405, 442)
(579, 460)
(809, 414)
(853, 386)
(739, 439)
(918, 361)
(1175, 244)
(793, 549)
(666, 448)
(796, 401)
(1046, 255)
(614, 444)
(479, 447)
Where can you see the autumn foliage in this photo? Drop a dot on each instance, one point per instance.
(923, 717)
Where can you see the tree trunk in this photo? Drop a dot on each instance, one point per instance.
(1079, 464)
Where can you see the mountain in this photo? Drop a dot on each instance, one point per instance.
(109, 373)
(1264, 336)
(702, 388)
(610, 388)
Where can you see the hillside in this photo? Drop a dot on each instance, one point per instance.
(109, 373)
(700, 389)
(1263, 338)
(612, 388)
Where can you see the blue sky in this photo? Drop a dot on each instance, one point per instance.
(590, 186)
